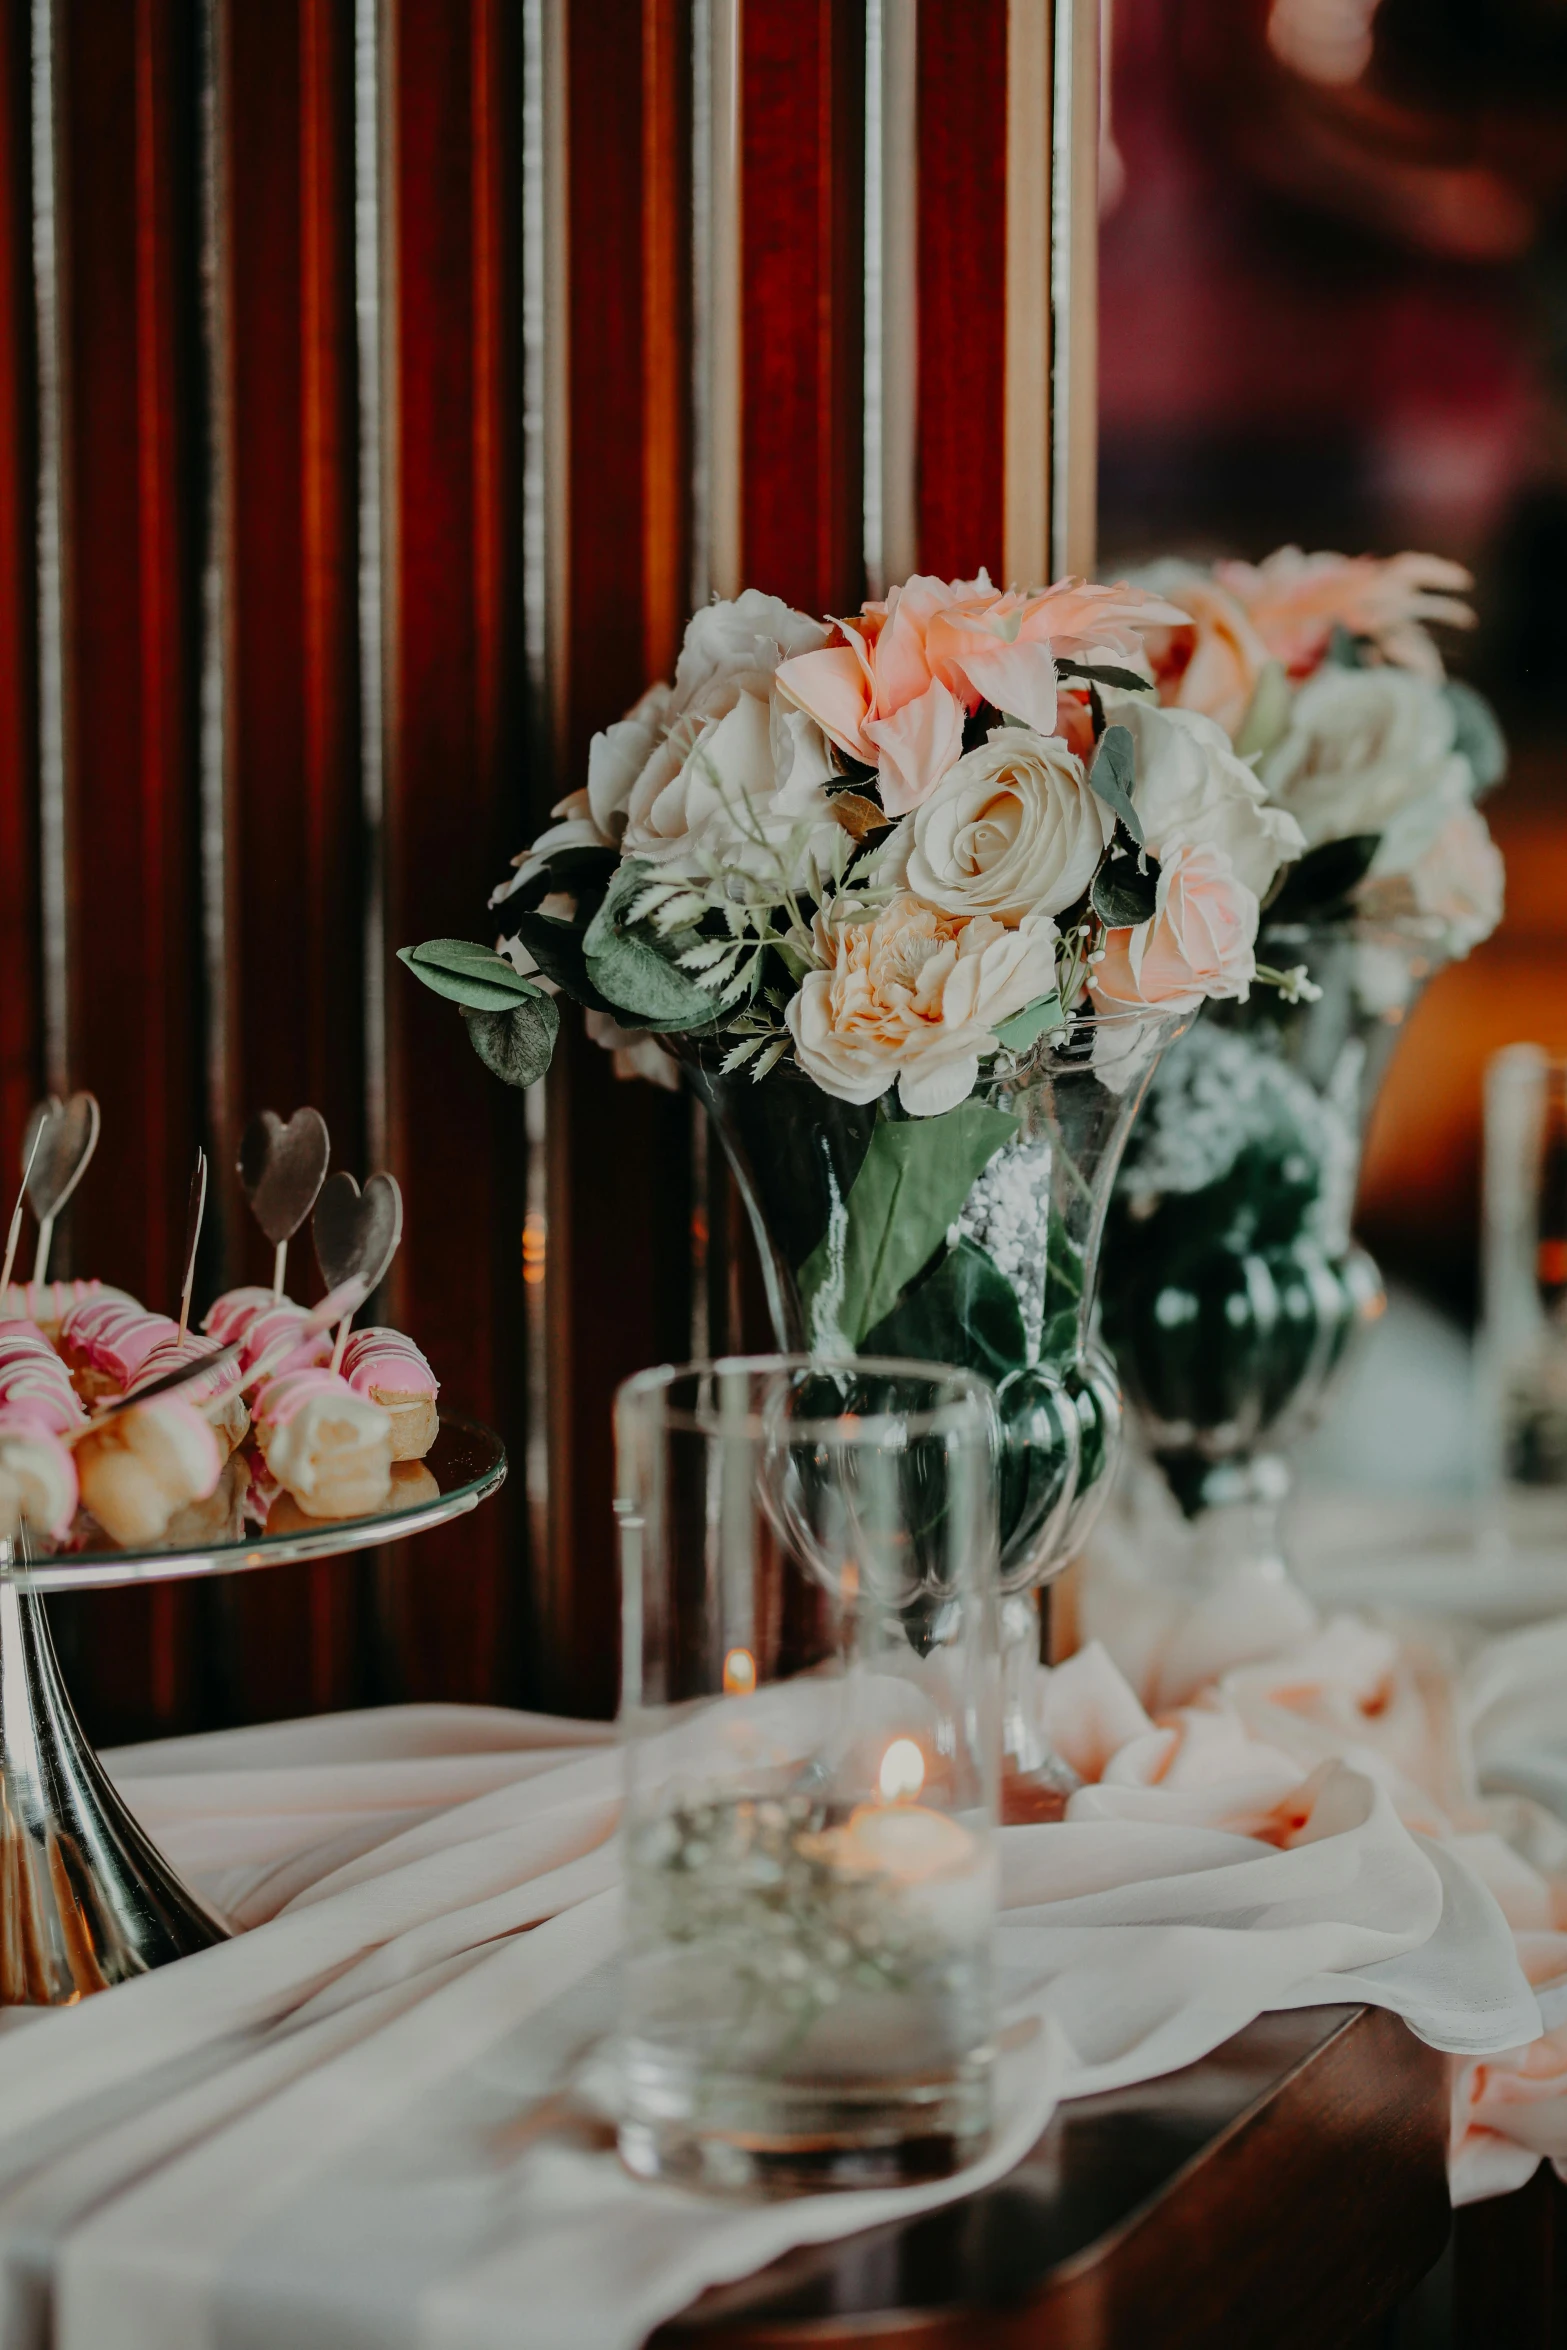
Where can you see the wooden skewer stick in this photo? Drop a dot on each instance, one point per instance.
(41, 1253)
(194, 1215)
(14, 1235)
(279, 1267)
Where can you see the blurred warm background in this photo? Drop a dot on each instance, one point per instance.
(1334, 310)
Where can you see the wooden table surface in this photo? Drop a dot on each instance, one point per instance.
(1285, 2193)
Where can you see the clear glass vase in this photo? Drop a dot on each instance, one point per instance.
(1234, 1291)
(972, 1238)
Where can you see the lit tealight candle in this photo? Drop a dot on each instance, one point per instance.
(899, 1837)
(739, 1673)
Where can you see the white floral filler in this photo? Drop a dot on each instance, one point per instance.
(893, 850)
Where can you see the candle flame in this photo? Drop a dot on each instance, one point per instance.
(902, 1771)
(739, 1673)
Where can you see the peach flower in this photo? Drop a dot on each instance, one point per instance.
(1198, 943)
(912, 668)
(1212, 662)
(914, 998)
(1294, 601)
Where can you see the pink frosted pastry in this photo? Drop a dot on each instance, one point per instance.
(328, 1447)
(48, 1302)
(37, 1475)
(230, 1316)
(267, 1337)
(216, 1393)
(32, 1374)
(390, 1370)
(138, 1469)
(105, 1343)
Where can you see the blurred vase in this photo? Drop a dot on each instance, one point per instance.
(1233, 1292)
(971, 1238)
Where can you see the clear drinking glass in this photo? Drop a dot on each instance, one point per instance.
(809, 1713)
(1523, 1339)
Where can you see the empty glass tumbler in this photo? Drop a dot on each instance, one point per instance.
(810, 1718)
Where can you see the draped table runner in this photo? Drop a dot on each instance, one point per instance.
(377, 2117)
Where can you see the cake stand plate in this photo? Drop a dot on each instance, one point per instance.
(86, 1898)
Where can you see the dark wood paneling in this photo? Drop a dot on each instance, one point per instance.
(802, 219)
(21, 1070)
(619, 1153)
(296, 946)
(455, 807)
(127, 119)
(962, 105)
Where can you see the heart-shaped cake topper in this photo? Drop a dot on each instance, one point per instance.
(65, 1135)
(282, 1169)
(356, 1232)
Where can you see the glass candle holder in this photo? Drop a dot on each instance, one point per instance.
(810, 1718)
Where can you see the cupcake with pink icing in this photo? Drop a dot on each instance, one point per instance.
(390, 1370)
(105, 1342)
(32, 1375)
(326, 1445)
(231, 1315)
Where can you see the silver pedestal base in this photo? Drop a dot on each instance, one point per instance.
(86, 1899)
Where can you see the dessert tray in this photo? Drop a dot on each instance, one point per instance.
(135, 1450)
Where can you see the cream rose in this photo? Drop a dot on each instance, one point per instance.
(1363, 745)
(1015, 828)
(1199, 943)
(914, 998)
(1192, 790)
(1457, 882)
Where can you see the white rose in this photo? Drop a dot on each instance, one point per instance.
(915, 998)
(1015, 828)
(740, 639)
(1364, 745)
(709, 798)
(1193, 792)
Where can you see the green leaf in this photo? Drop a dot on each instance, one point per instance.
(1125, 888)
(1347, 651)
(1101, 673)
(556, 947)
(963, 1312)
(914, 1178)
(515, 1046)
(1477, 734)
(1028, 1026)
(637, 973)
(474, 976)
(1113, 773)
(1323, 878)
(1267, 713)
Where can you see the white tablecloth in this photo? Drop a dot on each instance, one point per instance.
(370, 2119)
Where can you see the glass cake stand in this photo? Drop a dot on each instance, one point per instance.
(86, 1898)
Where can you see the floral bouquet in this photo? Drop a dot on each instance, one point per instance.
(1232, 1286)
(912, 899)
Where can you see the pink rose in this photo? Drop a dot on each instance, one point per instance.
(895, 694)
(1294, 601)
(1199, 942)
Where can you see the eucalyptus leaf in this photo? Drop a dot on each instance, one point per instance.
(1113, 773)
(1476, 734)
(476, 977)
(516, 1046)
(1028, 1026)
(1324, 877)
(913, 1180)
(1124, 889)
(1103, 673)
(556, 947)
(637, 972)
(1267, 713)
(964, 1311)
